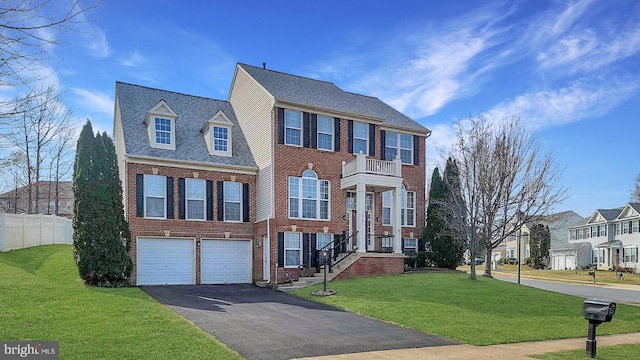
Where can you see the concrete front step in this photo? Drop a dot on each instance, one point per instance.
(301, 283)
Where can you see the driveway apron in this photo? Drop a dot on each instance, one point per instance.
(261, 323)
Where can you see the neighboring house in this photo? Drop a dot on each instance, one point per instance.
(558, 224)
(612, 237)
(17, 201)
(320, 167)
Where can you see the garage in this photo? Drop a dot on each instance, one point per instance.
(558, 262)
(165, 261)
(225, 261)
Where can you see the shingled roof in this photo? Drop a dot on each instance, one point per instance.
(193, 112)
(325, 95)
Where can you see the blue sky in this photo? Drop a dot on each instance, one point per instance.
(571, 69)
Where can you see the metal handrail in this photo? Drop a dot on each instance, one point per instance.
(341, 249)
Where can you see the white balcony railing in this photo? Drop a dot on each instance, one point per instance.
(362, 164)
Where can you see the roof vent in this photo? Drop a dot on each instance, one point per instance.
(264, 64)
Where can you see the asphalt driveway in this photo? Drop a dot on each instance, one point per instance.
(267, 324)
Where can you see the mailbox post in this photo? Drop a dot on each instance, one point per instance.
(597, 312)
(325, 260)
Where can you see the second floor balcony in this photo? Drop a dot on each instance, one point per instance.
(372, 172)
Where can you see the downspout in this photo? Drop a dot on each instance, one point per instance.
(272, 189)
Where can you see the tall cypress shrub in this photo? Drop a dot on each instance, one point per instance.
(101, 235)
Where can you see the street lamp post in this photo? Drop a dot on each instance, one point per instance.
(519, 252)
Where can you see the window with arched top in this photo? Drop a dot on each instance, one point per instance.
(308, 197)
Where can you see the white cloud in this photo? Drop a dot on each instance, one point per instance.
(581, 99)
(98, 44)
(134, 60)
(95, 101)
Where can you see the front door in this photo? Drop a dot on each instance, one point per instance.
(266, 258)
(352, 220)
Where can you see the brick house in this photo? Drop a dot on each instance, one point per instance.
(321, 168)
(49, 202)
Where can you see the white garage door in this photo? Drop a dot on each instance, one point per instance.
(570, 264)
(165, 261)
(225, 261)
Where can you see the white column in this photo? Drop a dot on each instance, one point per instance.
(397, 220)
(361, 212)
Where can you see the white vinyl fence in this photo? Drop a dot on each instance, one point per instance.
(19, 231)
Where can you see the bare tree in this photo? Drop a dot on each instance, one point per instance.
(28, 28)
(14, 166)
(64, 149)
(42, 120)
(635, 194)
(506, 181)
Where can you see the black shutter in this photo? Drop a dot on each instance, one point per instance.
(350, 135)
(305, 249)
(402, 245)
(220, 186)
(336, 131)
(170, 209)
(181, 199)
(209, 190)
(280, 126)
(139, 195)
(314, 251)
(372, 140)
(280, 249)
(245, 202)
(314, 131)
(383, 144)
(416, 150)
(306, 140)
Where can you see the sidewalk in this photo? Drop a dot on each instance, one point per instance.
(504, 351)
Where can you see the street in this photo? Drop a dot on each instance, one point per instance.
(585, 291)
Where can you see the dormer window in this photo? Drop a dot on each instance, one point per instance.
(161, 126)
(217, 134)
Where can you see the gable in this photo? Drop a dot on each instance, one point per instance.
(628, 213)
(596, 218)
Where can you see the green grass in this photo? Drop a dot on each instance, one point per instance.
(481, 312)
(602, 276)
(43, 298)
(603, 353)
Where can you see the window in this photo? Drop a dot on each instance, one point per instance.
(634, 226)
(387, 200)
(154, 196)
(631, 254)
(399, 143)
(232, 201)
(572, 234)
(410, 245)
(511, 252)
(323, 240)
(594, 231)
(308, 197)
(292, 249)
(162, 128)
(293, 127)
(220, 138)
(325, 133)
(598, 256)
(52, 207)
(360, 138)
(625, 227)
(195, 198)
(408, 212)
(618, 229)
(587, 233)
(580, 234)
(603, 230)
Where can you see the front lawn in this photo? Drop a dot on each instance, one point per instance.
(629, 351)
(482, 312)
(43, 298)
(602, 276)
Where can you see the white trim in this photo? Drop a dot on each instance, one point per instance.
(224, 202)
(332, 134)
(366, 152)
(301, 128)
(196, 165)
(317, 110)
(161, 110)
(300, 198)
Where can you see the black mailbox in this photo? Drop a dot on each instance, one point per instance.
(598, 310)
